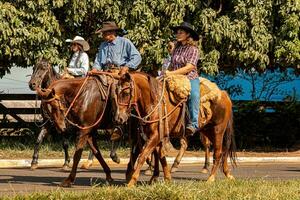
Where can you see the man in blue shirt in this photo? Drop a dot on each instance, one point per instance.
(115, 52)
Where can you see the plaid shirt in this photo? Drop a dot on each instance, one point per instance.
(184, 54)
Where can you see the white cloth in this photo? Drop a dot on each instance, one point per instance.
(82, 65)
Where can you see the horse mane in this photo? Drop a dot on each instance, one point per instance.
(154, 86)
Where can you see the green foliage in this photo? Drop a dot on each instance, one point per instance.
(242, 33)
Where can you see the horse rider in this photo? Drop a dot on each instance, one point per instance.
(79, 64)
(115, 53)
(184, 61)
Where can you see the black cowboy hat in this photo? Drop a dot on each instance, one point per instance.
(187, 27)
(108, 26)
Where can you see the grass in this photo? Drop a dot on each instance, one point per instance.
(223, 189)
(19, 147)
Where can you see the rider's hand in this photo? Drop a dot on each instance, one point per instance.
(123, 71)
(168, 73)
(93, 71)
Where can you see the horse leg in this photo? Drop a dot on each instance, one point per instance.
(134, 153)
(94, 147)
(67, 157)
(217, 132)
(206, 143)
(87, 164)
(164, 163)
(151, 163)
(183, 147)
(155, 159)
(81, 142)
(148, 149)
(35, 156)
(113, 152)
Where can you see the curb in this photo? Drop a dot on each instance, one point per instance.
(26, 163)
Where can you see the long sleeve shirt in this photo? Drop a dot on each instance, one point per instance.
(120, 52)
(184, 54)
(81, 67)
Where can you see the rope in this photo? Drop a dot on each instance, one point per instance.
(78, 93)
(99, 119)
(156, 120)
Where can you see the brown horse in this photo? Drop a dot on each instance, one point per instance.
(43, 75)
(83, 103)
(143, 93)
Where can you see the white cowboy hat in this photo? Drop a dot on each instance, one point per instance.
(80, 40)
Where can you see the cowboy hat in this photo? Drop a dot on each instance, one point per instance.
(80, 40)
(188, 28)
(108, 26)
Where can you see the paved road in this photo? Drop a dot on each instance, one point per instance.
(16, 181)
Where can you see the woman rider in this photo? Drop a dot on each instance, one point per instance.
(79, 64)
(184, 61)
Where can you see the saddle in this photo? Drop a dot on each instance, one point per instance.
(209, 94)
(179, 87)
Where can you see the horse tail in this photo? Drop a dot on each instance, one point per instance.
(229, 144)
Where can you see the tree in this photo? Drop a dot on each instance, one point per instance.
(244, 34)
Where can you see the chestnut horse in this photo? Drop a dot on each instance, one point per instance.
(43, 75)
(163, 119)
(83, 103)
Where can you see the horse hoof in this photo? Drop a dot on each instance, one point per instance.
(34, 166)
(130, 184)
(109, 180)
(65, 168)
(153, 179)
(148, 172)
(211, 179)
(174, 169)
(86, 165)
(116, 160)
(66, 184)
(204, 171)
(230, 177)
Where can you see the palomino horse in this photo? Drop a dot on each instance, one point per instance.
(83, 103)
(163, 119)
(43, 75)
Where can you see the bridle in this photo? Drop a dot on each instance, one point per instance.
(132, 103)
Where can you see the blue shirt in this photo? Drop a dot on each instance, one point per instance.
(120, 52)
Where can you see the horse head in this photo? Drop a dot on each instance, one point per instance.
(53, 107)
(123, 99)
(43, 74)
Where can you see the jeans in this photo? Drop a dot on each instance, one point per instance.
(193, 102)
